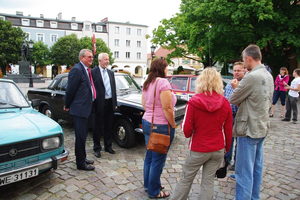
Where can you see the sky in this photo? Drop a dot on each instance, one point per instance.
(143, 12)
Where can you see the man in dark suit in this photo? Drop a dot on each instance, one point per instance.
(79, 98)
(104, 105)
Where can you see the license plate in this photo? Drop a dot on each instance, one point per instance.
(4, 180)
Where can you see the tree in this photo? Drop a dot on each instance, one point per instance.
(220, 30)
(101, 47)
(66, 50)
(40, 55)
(11, 39)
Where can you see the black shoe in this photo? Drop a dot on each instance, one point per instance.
(90, 162)
(294, 122)
(110, 150)
(98, 154)
(285, 120)
(85, 167)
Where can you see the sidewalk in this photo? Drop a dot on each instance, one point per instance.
(24, 87)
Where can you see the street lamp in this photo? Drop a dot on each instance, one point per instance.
(152, 51)
(30, 44)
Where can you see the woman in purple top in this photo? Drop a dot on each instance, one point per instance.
(283, 77)
(165, 101)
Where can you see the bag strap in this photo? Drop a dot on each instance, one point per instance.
(154, 107)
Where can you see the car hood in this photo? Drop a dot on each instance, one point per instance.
(132, 97)
(25, 124)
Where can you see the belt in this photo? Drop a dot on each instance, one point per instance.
(106, 100)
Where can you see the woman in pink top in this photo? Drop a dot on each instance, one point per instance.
(280, 91)
(165, 101)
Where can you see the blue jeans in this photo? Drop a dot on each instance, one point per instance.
(228, 155)
(249, 168)
(277, 94)
(154, 162)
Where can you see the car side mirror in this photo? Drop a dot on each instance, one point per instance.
(35, 102)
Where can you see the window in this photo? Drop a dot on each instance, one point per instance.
(138, 44)
(53, 38)
(87, 27)
(139, 31)
(116, 54)
(25, 22)
(40, 37)
(99, 28)
(117, 42)
(128, 43)
(193, 84)
(63, 84)
(40, 23)
(74, 26)
(127, 54)
(128, 31)
(2, 17)
(53, 24)
(179, 83)
(117, 30)
(138, 55)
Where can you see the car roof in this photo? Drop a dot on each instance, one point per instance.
(66, 74)
(6, 80)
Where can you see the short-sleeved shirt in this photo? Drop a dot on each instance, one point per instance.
(227, 93)
(159, 116)
(294, 84)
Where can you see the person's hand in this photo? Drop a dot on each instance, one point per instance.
(234, 83)
(66, 109)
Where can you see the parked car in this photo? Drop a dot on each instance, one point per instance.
(127, 117)
(30, 143)
(184, 85)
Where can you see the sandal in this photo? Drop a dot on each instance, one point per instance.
(161, 188)
(161, 195)
(271, 115)
(281, 116)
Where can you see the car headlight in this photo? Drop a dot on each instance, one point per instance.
(51, 143)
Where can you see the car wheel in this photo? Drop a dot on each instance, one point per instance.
(124, 133)
(46, 111)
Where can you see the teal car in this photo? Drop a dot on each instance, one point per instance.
(30, 142)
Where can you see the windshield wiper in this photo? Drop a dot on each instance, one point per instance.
(6, 103)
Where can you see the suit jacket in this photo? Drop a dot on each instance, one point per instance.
(100, 89)
(254, 94)
(79, 93)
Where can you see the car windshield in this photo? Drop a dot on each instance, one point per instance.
(11, 96)
(126, 83)
(193, 84)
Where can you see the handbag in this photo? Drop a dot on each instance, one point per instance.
(158, 142)
(222, 171)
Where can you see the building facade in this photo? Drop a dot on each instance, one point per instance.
(127, 41)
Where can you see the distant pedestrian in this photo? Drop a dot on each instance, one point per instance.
(280, 91)
(208, 124)
(253, 95)
(291, 102)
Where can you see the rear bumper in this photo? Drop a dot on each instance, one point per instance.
(42, 165)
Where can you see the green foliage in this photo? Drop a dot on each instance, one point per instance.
(66, 50)
(147, 70)
(180, 69)
(11, 39)
(101, 47)
(40, 55)
(221, 29)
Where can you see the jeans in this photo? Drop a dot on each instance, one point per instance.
(277, 94)
(228, 155)
(249, 168)
(154, 162)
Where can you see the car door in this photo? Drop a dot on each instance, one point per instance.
(192, 87)
(58, 100)
(179, 86)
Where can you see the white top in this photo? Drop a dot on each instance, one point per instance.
(294, 84)
(101, 71)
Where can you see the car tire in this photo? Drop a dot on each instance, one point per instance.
(47, 111)
(123, 133)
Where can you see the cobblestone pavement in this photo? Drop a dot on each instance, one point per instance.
(120, 176)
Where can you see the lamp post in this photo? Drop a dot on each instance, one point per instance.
(30, 44)
(152, 51)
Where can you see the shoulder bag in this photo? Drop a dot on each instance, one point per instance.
(158, 142)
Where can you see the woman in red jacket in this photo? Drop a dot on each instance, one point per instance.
(208, 124)
(280, 91)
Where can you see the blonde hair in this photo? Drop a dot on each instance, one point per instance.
(209, 80)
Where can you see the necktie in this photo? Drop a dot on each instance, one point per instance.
(91, 79)
(106, 83)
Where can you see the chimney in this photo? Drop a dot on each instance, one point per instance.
(104, 20)
(59, 16)
(41, 15)
(73, 18)
(20, 13)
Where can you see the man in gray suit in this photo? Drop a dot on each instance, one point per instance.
(254, 96)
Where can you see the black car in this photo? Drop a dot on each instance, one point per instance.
(127, 117)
